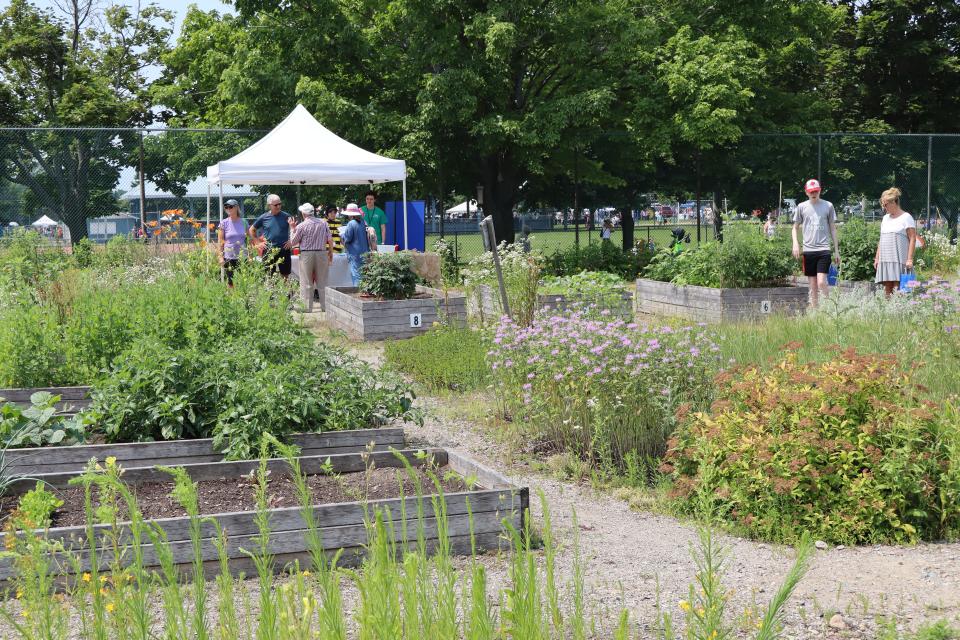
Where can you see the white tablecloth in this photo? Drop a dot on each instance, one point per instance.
(339, 274)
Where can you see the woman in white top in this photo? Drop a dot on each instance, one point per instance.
(898, 239)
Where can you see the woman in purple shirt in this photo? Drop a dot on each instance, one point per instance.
(231, 237)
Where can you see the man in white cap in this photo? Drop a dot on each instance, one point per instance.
(355, 242)
(316, 254)
(818, 219)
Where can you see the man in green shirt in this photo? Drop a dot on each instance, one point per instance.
(375, 217)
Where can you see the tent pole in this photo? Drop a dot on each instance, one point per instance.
(208, 211)
(406, 218)
(220, 184)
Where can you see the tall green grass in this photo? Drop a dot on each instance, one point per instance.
(404, 591)
(922, 341)
(444, 358)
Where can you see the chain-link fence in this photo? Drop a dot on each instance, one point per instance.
(90, 181)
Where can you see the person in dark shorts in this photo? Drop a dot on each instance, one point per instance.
(231, 238)
(818, 220)
(275, 225)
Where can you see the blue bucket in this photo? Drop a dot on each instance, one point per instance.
(832, 274)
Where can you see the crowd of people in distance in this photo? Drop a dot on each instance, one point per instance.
(275, 235)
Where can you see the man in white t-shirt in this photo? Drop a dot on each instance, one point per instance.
(818, 219)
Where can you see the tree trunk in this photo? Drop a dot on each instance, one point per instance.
(499, 197)
(626, 224)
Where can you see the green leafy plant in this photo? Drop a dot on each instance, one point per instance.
(36, 507)
(388, 276)
(858, 247)
(39, 424)
(521, 280)
(603, 256)
(843, 449)
(744, 260)
(236, 393)
(449, 267)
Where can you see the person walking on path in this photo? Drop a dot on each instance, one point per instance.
(374, 216)
(231, 238)
(607, 231)
(898, 240)
(275, 225)
(316, 254)
(818, 219)
(355, 242)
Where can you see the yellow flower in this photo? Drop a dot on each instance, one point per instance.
(111, 461)
(685, 605)
(19, 593)
(700, 612)
(25, 613)
(306, 574)
(110, 607)
(103, 591)
(103, 579)
(86, 577)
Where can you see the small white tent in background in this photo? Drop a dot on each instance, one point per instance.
(462, 208)
(44, 221)
(13, 224)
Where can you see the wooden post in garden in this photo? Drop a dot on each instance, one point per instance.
(486, 225)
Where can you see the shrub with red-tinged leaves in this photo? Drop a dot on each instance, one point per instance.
(843, 449)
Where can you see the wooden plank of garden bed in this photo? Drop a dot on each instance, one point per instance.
(281, 542)
(72, 399)
(291, 518)
(42, 460)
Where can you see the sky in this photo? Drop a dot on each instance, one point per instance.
(179, 7)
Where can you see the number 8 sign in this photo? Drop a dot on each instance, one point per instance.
(416, 320)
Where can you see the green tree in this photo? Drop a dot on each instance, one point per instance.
(64, 73)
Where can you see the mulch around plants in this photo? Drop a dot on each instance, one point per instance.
(228, 495)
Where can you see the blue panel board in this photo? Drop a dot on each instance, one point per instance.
(415, 215)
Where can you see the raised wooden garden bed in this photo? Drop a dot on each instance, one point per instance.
(485, 304)
(483, 509)
(372, 319)
(73, 460)
(706, 304)
(72, 399)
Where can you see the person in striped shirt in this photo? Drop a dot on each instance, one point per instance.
(334, 223)
(316, 253)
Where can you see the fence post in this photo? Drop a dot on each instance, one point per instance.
(819, 158)
(929, 173)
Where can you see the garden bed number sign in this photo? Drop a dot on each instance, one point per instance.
(416, 320)
(765, 306)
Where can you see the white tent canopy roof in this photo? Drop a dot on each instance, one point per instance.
(196, 188)
(462, 207)
(44, 221)
(300, 150)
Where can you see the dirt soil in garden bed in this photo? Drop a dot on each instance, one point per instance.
(227, 495)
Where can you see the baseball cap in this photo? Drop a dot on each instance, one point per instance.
(812, 185)
(231, 203)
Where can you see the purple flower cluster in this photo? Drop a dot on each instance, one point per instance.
(571, 358)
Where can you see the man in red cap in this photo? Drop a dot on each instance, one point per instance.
(818, 219)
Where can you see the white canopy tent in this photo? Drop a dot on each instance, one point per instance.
(44, 221)
(464, 207)
(300, 150)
